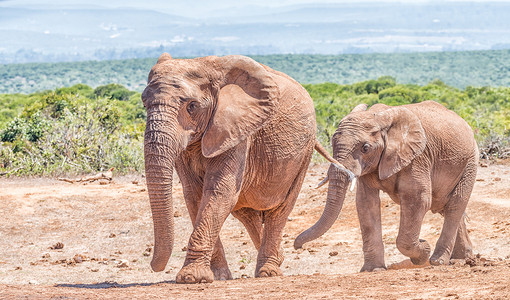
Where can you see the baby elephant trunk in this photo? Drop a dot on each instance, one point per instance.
(338, 184)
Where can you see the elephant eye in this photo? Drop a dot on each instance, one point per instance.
(192, 106)
(365, 148)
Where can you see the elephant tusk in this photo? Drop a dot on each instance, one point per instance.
(352, 177)
(323, 182)
(341, 167)
(353, 183)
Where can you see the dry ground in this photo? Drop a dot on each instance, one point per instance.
(104, 233)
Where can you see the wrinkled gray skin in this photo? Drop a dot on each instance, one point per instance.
(240, 136)
(424, 157)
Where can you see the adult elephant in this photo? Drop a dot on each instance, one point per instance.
(240, 136)
(424, 157)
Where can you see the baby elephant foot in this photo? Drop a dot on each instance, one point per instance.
(437, 260)
(424, 254)
(269, 270)
(222, 273)
(195, 273)
(373, 267)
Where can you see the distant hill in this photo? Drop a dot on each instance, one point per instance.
(79, 33)
(458, 69)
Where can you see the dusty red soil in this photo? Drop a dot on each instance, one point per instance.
(104, 233)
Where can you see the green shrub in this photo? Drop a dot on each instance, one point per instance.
(62, 133)
(113, 91)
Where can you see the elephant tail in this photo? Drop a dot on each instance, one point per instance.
(320, 149)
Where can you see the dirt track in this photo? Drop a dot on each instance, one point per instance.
(106, 234)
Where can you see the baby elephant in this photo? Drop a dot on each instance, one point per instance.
(424, 157)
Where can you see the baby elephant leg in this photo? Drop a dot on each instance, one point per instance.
(454, 227)
(412, 211)
(463, 248)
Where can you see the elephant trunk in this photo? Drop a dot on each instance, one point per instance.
(338, 184)
(160, 153)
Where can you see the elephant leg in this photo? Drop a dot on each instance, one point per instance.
(454, 225)
(463, 248)
(219, 265)
(222, 184)
(270, 256)
(413, 207)
(252, 221)
(192, 194)
(368, 205)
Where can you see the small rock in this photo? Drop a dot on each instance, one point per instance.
(333, 253)
(94, 270)
(32, 282)
(242, 267)
(18, 268)
(285, 235)
(480, 179)
(483, 165)
(245, 243)
(123, 264)
(57, 246)
(79, 258)
(290, 219)
(244, 276)
(134, 182)
(497, 179)
(112, 235)
(46, 255)
(177, 214)
(185, 249)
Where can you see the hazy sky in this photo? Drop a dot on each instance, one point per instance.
(193, 8)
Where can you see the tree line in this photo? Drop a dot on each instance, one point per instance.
(456, 69)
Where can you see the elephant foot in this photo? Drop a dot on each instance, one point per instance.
(195, 273)
(269, 270)
(369, 267)
(221, 273)
(462, 250)
(464, 254)
(437, 260)
(424, 254)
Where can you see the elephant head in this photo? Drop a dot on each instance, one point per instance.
(382, 140)
(214, 101)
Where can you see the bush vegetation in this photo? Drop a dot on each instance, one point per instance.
(79, 129)
(72, 130)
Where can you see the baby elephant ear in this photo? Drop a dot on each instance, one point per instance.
(359, 108)
(405, 139)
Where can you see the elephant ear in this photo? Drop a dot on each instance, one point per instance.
(247, 100)
(404, 138)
